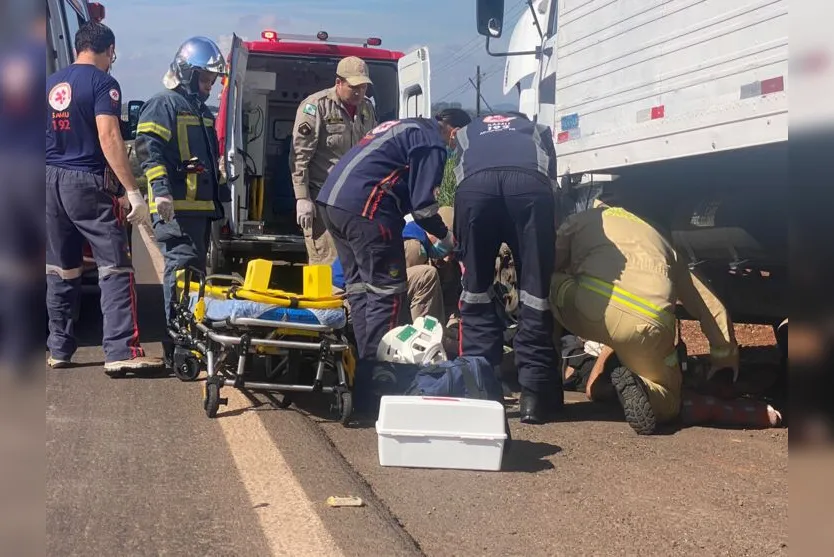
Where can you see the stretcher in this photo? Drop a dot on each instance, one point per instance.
(235, 328)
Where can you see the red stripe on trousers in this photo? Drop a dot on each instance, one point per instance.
(135, 349)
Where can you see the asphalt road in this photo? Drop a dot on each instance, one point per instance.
(134, 467)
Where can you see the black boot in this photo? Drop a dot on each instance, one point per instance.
(539, 407)
(635, 400)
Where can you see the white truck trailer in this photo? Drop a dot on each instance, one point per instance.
(683, 104)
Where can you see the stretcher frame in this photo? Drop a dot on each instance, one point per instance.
(199, 342)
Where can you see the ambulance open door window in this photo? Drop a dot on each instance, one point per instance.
(414, 103)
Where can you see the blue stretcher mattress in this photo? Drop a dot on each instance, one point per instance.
(220, 310)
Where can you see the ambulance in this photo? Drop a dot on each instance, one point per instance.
(268, 79)
(685, 105)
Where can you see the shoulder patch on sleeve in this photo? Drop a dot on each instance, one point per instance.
(310, 109)
(305, 129)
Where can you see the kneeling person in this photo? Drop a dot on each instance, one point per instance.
(617, 282)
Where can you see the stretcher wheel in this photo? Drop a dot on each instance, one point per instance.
(188, 369)
(345, 407)
(211, 402)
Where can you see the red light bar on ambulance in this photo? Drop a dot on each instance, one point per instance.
(321, 36)
(96, 11)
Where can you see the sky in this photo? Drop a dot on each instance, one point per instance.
(148, 33)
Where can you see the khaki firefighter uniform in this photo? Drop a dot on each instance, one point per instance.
(322, 134)
(617, 282)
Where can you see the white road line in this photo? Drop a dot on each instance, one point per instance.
(287, 517)
(288, 520)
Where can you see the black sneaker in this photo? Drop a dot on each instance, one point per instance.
(635, 400)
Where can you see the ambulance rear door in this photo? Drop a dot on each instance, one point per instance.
(414, 79)
(233, 138)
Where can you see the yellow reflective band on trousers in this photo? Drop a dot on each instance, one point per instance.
(153, 127)
(617, 294)
(155, 172)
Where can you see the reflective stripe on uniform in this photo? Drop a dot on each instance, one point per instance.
(65, 274)
(364, 288)
(358, 288)
(542, 158)
(475, 297)
(626, 298)
(370, 148)
(191, 120)
(534, 302)
(183, 122)
(155, 172)
(106, 271)
(153, 127)
(388, 290)
(186, 205)
(622, 213)
(463, 144)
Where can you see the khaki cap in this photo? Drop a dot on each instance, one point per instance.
(353, 70)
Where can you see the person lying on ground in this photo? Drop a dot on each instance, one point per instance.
(697, 408)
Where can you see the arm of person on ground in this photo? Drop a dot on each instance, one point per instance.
(426, 165)
(700, 302)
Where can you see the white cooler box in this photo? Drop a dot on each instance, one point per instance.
(439, 432)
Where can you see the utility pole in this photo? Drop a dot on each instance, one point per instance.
(478, 91)
(478, 97)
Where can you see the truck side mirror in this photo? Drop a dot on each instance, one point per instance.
(133, 109)
(490, 18)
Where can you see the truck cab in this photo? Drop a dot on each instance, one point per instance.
(267, 81)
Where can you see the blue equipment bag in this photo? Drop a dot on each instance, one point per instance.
(464, 377)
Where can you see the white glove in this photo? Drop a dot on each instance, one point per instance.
(443, 247)
(305, 211)
(165, 208)
(139, 213)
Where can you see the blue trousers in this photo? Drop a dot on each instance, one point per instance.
(80, 207)
(372, 255)
(184, 243)
(516, 208)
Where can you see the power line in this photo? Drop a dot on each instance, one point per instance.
(469, 48)
(466, 84)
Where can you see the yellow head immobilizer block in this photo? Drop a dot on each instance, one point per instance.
(318, 281)
(258, 273)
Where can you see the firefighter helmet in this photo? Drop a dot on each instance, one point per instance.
(197, 53)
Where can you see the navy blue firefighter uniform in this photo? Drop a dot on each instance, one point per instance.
(391, 172)
(505, 165)
(174, 128)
